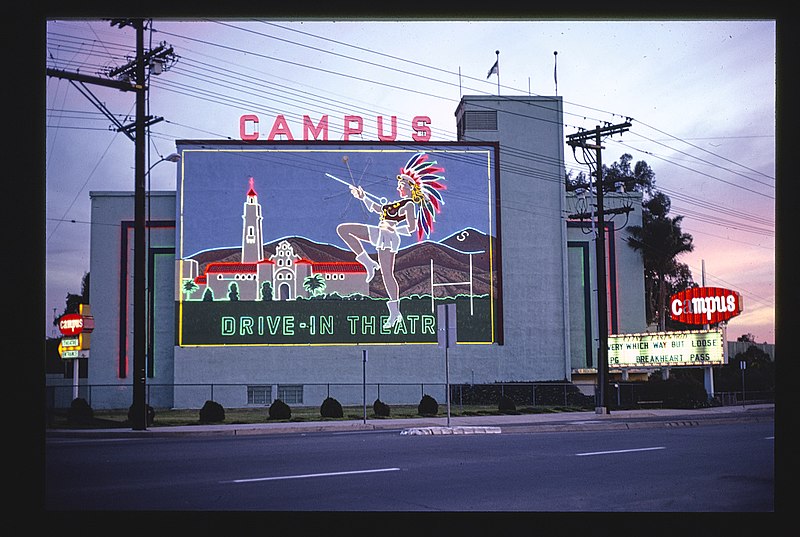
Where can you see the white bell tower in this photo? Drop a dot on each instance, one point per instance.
(252, 240)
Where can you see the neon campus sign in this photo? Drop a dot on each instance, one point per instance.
(705, 305)
(352, 125)
(71, 324)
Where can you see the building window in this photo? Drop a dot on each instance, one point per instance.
(259, 395)
(291, 394)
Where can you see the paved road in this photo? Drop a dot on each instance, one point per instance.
(724, 466)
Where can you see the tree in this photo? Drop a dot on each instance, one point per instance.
(620, 176)
(579, 181)
(73, 301)
(759, 374)
(678, 280)
(660, 240)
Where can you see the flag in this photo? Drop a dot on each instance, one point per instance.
(495, 69)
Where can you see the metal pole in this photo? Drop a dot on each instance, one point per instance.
(75, 377)
(139, 254)
(364, 381)
(742, 367)
(602, 305)
(447, 382)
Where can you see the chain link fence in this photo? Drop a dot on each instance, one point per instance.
(240, 395)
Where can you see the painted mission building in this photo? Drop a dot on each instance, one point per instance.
(284, 275)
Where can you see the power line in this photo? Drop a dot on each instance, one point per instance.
(211, 98)
(354, 59)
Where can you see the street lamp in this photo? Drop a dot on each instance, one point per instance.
(140, 374)
(172, 157)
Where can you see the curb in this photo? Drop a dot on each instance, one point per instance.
(423, 429)
(631, 425)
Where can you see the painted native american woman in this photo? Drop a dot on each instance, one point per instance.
(419, 185)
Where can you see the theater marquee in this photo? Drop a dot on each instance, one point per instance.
(334, 243)
(662, 349)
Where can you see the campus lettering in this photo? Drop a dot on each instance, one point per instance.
(70, 324)
(352, 125)
(705, 305)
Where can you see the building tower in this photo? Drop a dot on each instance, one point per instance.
(252, 240)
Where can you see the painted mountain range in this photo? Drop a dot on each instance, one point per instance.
(451, 259)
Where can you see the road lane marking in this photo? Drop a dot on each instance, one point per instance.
(619, 451)
(304, 476)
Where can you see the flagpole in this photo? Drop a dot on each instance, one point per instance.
(497, 52)
(555, 69)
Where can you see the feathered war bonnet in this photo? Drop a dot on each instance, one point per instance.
(425, 182)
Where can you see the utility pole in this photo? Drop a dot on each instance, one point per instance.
(139, 421)
(580, 139)
(133, 77)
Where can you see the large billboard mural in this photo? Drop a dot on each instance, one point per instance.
(320, 243)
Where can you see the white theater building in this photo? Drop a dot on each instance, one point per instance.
(547, 261)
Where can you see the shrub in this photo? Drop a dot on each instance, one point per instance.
(279, 410)
(79, 411)
(212, 412)
(331, 408)
(506, 404)
(151, 414)
(676, 392)
(427, 406)
(687, 393)
(380, 408)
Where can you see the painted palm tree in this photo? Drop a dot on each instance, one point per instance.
(189, 287)
(314, 285)
(660, 241)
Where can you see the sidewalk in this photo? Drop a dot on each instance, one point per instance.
(555, 422)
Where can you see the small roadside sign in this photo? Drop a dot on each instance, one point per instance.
(446, 325)
(70, 342)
